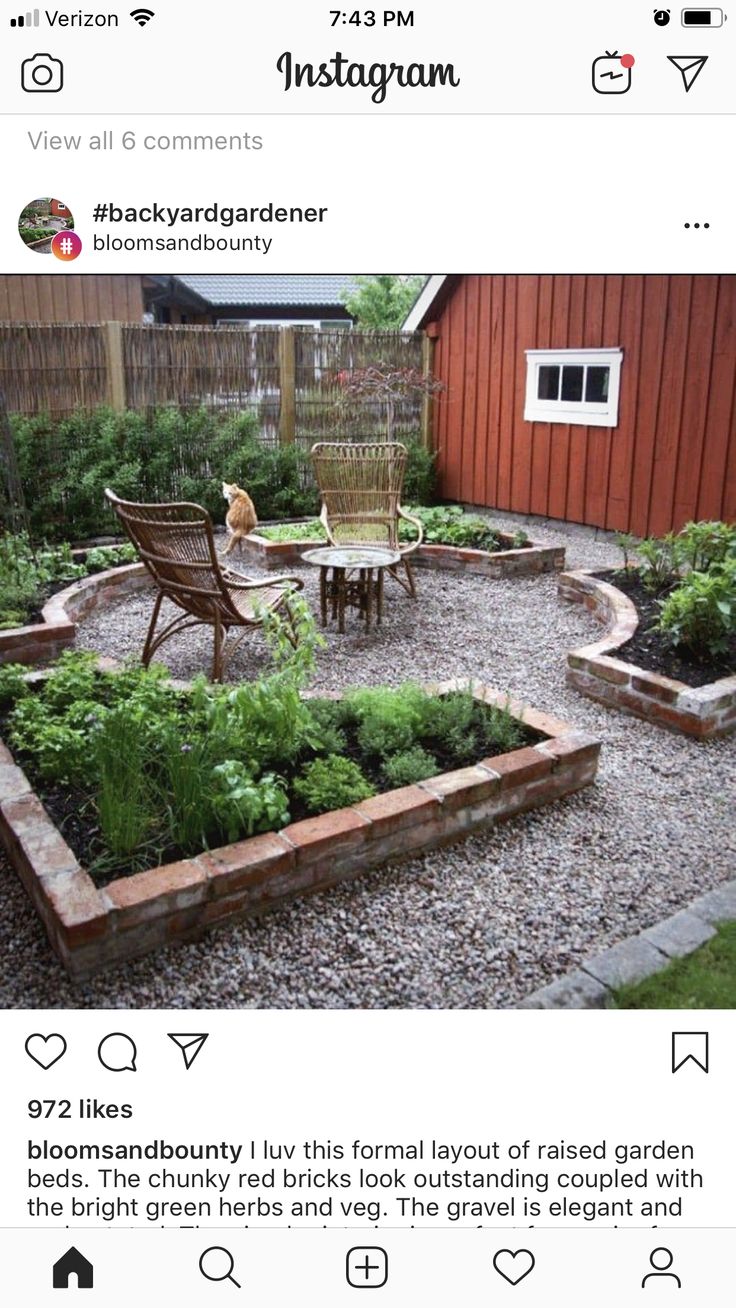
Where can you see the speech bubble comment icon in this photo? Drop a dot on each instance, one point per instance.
(117, 1052)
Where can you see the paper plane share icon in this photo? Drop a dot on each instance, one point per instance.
(190, 1044)
(690, 66)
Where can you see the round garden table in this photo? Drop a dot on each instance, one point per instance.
(351, 577)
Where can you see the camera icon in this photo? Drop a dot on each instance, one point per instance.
(42, 73)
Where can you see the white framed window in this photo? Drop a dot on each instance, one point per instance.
(573, 386)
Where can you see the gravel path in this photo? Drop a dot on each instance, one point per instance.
(477, 925)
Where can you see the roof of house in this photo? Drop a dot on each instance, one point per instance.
(284, 290)
(430, 300)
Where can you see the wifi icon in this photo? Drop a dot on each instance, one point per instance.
(142, 16)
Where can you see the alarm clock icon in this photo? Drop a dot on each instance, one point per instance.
(662, 17)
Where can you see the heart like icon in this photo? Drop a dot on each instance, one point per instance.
(46, 1049)
(513, 1264)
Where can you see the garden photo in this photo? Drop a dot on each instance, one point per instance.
(368, 641)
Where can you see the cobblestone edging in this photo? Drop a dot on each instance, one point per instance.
(446, 558)
(641, 956)
(704, 712)
(42, 641)
(91, 928)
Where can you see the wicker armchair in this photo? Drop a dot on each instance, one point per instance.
(361, 486)
(177, 545)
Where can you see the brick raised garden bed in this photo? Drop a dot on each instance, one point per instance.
(41, 641)
(594, 670)
(532, 559)
(92, 928)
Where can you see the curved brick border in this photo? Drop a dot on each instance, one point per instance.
(630, 961)
(704, 712)
(92, 928)
(505, 563)
(45, 640)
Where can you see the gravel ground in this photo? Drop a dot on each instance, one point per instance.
(477, 925)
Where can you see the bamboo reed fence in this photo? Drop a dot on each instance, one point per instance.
(286, 376)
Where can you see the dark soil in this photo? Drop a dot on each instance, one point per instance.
(651, 650)
(52, 588)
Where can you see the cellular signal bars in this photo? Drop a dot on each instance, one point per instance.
(26, 20)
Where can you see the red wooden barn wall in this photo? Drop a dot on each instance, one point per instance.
(673, 455)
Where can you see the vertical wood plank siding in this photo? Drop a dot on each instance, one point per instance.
(70, 297)
(672, 456)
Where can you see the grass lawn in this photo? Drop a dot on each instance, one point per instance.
(705, 979)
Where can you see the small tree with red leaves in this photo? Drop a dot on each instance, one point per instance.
(387, 386)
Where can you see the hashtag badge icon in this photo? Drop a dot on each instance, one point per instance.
(66, 246)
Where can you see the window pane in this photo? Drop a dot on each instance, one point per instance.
(596, 385)
(572, 382)
(549, 383)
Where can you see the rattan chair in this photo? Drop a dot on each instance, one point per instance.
(177, 545)
(360, 486)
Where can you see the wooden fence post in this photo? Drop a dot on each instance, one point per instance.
(287, 381)
(115, 367)
(428, 345)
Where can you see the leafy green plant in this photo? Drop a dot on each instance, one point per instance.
(110, 556)
(450, 525)
(659, 562)
(331, 782)
(700, 613)
(701, 544)
(410, 766)
(243, 805)
(500, 732)
(12, 683)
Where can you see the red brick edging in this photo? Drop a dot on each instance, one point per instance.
(503, 563)
(42, 641)
(704, 711)
(92, 928)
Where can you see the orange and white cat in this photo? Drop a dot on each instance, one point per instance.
(241, 516)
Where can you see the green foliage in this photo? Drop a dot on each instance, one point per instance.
(24, 572)
(327, 734)
(450, 525)
(410, 766)
(700, 613)
(627, 545)
(659, 562)
(383, 301)
(420, 476)
(701, 544)
(31, 234)
(331, 782)
(307, 531)
(125, 799)
(242, 805)
(389, 721)
(167, 454)
(12, 683)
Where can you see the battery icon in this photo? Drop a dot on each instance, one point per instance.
(702, 18)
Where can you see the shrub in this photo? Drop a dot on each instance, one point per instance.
(702, 544)
(331, 782)
(410, 766)
(701, 612)
(420, 477)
